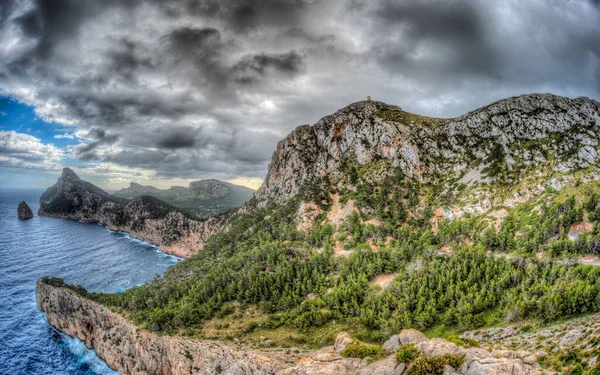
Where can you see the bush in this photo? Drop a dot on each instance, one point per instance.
(359, 349)
(435, 365)
(463, 341)
(407, 354)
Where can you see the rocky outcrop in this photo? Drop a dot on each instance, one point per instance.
(145, 218)
(24, 212)
(130, 350)
(537, 130)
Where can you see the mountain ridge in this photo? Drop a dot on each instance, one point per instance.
(146, 218)
(202, 199)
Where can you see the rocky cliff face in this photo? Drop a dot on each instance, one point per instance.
(24, 212)
(129, 350)
(498, 144)
(144, 218)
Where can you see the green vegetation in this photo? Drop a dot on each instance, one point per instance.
(300, 291)
(424, 365)
(571, 361)
(359, 349)
(407, 354)
(265, 262)
(408, 118)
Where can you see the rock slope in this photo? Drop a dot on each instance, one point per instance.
(129, 350)
(24, 212)
(497, 144)
(145, 218)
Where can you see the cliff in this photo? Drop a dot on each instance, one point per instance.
(489, 149)
(129, 350)
(145, 218)
(132, 351)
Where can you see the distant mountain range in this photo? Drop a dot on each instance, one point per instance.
(202, 199)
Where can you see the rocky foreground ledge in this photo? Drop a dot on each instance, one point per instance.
(129, 350)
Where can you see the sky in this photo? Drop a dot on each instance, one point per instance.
(164, 92)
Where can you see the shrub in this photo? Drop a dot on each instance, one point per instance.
(407, 354)
(435, 365)
(463, 341)
(594, 370)
(359, 349)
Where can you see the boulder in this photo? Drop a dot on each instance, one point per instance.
(392, 344)
(411, 336)
(308, 366)
(472, 354)
(384, 367)
(496, 366)
(342, 340)
(437, 347)
(24, 211)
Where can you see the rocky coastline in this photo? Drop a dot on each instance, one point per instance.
(144, 218)
(131, 350)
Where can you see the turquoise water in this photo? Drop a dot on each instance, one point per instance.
(80, 253)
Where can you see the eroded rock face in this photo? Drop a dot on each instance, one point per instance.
(24, 212)
(145, 218)
(129, 350)
(426, 149)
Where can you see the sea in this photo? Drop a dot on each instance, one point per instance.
(80, 253)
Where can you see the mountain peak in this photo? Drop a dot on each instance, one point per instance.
(69, 173)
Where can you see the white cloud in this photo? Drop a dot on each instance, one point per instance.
(65, 136)
(2, 113)
(23, 151)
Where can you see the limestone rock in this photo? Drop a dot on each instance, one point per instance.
(342, 340)
(437, 347)
(497, 366)
(384, 367)
(131, 351)
(24, 211)
(362, 133)
(411, 336)
(308, 366)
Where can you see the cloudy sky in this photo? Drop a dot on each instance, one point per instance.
(163, 92)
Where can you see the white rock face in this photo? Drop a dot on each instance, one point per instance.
(437, 347)
(360, 134)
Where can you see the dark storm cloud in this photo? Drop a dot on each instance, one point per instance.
(98, 137)
(454, 31)
(177, 140)
(192, 88)
(252, 68)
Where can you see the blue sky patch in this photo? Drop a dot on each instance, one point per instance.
(22, 119)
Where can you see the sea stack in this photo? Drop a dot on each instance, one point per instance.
(24, 211)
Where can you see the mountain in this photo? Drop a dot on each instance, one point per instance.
(376, 222)
(489, 154)
(145, 217)
(202, 199)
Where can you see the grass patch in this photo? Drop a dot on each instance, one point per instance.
(407, 354)
(435, 365)
(359, 349)
(408, 118)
